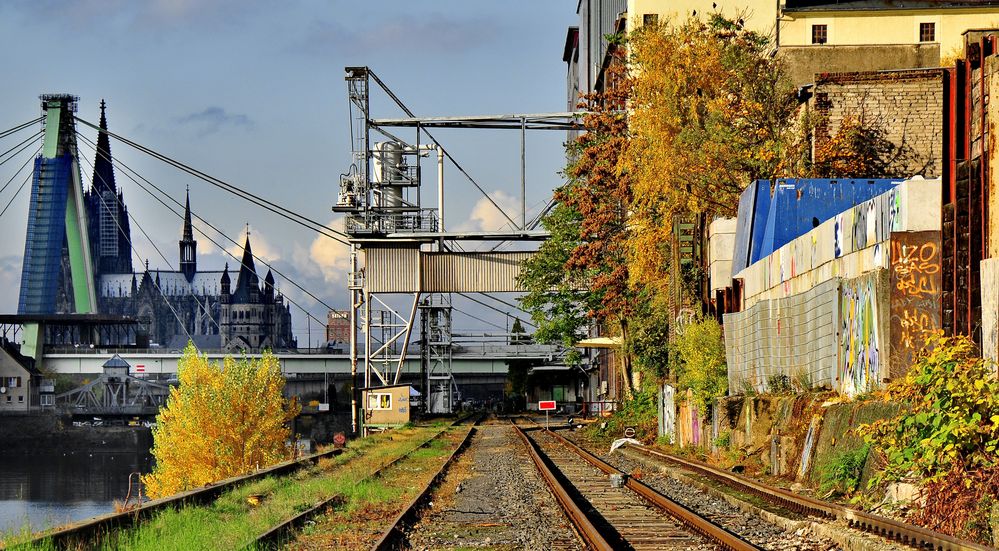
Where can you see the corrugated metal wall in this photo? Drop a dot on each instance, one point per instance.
(794, 336)
(833, 335)
(392, 270)
(409, 270)
(472, 272)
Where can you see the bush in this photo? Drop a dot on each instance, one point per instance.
(700, 362)
(947, 436)
(840, 474)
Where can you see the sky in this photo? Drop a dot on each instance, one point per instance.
(252, 92)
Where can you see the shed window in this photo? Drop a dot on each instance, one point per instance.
(927, 32)
(820, 34)
(379, 401)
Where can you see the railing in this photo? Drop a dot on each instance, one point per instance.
(423, 220)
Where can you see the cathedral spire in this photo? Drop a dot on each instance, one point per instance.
(188, 228)
(103, 171)
(188, 246)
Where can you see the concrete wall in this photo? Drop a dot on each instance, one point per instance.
(908, 104)
(990, 309)
(758, 15)
(848, 245)
(846, 305)
(805, 61)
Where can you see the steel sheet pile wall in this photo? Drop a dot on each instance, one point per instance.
(793, 336)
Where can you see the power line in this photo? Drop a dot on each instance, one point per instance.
(209, 224)
(221, 184)
(496, 309)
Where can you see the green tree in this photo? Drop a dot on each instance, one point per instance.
(221, 421)
(699, 361)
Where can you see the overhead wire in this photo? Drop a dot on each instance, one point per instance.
(16, 193)
(127, 170)
(225, 186)
(495, 309)
(24, 143)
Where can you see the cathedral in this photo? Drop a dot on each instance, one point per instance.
(178, 305)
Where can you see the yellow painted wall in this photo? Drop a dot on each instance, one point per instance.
(844, 27)
(758, 15)
(887, 27)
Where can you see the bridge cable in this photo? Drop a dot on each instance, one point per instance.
(213, 241)
(16, 193)
(26, 162)
(19, 127)
(136, 252)
(221, 184)
(25, 144)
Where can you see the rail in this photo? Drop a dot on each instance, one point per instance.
(88, 531)
(581, 523)
(393, 536)
(692, 520)
(279, 532)
(907, 534)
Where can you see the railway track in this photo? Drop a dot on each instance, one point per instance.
(630, 517)
(905, 534)
(284, 531)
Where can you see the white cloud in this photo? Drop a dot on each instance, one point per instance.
(259, 245)
(485, 216)
(329, 257)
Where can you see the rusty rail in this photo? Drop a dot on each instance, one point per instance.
(692, 520)
(392, 537)
(584, 527)
(90, 530)
(279, 532)
(907, 534)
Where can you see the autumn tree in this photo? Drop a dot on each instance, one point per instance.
(711, 110)
(221, 421)
(581, 273)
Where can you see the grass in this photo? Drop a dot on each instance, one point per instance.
(231, 522)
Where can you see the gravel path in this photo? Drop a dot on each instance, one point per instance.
(493, 497)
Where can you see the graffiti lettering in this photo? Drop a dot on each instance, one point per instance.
(914, 267)
(860, 337)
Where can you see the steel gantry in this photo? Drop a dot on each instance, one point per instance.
(400, 247)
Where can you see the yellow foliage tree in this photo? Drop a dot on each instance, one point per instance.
(711, 110)
(221, 421)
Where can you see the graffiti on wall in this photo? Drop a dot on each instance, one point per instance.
(916, 281)
(990, 308)
(860, 336)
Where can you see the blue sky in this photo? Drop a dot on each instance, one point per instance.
(253, 92)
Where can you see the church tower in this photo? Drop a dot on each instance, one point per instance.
(188, 246)
(107, 216)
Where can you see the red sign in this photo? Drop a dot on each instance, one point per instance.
(140, 368)
(548, 405)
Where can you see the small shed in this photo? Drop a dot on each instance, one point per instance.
(388, 406)
(116, 369)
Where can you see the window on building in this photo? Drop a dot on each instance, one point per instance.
(11, 382)
(820, 34)
(20, 399)
(47, 400)
(379, 401)
(8, 398)
(650, 19)
(927, 32)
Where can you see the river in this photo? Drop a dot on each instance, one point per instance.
(45, 490)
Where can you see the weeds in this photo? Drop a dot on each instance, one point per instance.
(840, 474)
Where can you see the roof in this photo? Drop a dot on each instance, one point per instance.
(247, 276)
(600, 342)
(571, 44)
(171, 283)
(13, 350)
(116, 361)
(66, 319)
(879, 5)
